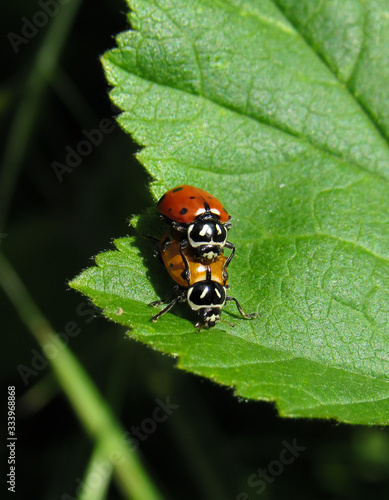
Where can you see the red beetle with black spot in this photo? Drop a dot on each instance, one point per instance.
(201, 218)
(184, 203)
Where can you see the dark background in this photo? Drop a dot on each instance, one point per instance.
(213, 442)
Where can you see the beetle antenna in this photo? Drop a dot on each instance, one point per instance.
(226, 321)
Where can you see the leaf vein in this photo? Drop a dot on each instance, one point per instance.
(345, 85)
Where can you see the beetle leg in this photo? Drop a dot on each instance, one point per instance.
(179, 298)
(161, 247)
(156, 303)
(186, 273)
(231, 246)
(165, 309)
(247, 316)
(156, 252)
(179, 227)
(228, 224)
(151, 237)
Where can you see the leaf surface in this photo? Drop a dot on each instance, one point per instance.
(281, 111)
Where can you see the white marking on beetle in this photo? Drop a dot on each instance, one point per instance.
(206, 229)
(192, 305)
(204, 293)
(210, 255)
(213, 318)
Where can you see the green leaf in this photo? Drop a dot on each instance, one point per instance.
(280, 109)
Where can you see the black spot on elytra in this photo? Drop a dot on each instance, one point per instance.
(206, 206)
(161, 199)
(183, 211)
(171, 265)
(177, 189)
(192, 197)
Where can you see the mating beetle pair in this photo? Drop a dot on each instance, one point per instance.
(192, 252)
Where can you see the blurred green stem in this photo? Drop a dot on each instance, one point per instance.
(87, 402)
(26, 114)
(97, 466)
